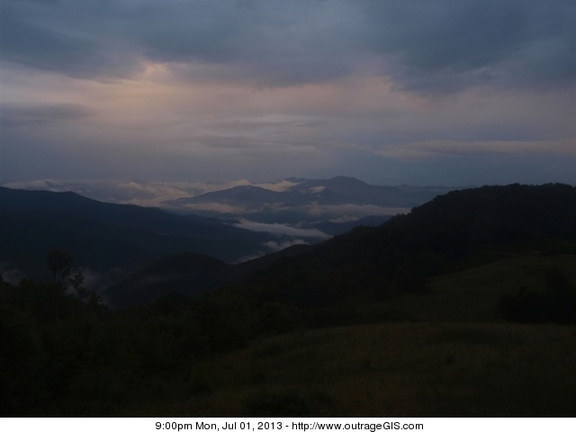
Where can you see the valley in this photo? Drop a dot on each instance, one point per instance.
(465, 306)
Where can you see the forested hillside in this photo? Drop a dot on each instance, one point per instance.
(109, 238)
(459, 229)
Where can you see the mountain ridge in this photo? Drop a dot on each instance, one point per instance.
(338, 190)
(104, 235)
(308, 203)
(444, 233)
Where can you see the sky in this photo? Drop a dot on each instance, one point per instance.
(421, 92)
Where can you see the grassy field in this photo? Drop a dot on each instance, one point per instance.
(440, 351)
(449, 355)
(403, 369)
(472, 295)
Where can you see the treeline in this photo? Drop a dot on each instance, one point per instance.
(63, 353)
(455, 231)
(555, 303)
(65, 356)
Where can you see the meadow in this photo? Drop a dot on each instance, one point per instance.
(449, 355)
(392, 369)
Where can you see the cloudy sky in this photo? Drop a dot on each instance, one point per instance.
(451, 92)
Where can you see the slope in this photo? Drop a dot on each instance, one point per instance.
(103, 236)
(459, 230)
(456, 230)
(187, 274)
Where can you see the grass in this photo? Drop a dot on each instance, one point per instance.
(472, 295)
(402, 369)
(450, 356)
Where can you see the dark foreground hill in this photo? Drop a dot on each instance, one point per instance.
(185, 276)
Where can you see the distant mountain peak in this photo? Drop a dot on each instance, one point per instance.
(347, 179)
(333, 180)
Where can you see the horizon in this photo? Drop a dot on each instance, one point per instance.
(460, 93)
(154, 194)
(158, 194)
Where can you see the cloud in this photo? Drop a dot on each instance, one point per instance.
(425, 46)
(25, 115)
(39, 46)
(283, 229)
(10, 274)
(255, 148)
(218, 90)
(143, 193)
(56, 36)
(277, 186)
(469, 148)
(268, 122)
(446, 45)
(278, 246)
(212, 207)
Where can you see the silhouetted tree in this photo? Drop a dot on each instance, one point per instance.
(60, 264)
(557, 303)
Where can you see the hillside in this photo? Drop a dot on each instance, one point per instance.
(105, 236)
(389, 370)
(143, 218)
(186, 275)
(459, 229)
(464, 307)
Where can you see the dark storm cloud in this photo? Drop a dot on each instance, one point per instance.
(427, 45)
(183, 32)
(460, 43)
(42, 48)
(271, 43)
(56, 36)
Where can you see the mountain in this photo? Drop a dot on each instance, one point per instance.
(353, 191)
(336, 228)
(461, 228)
(428, 304)
(150, 219)
(186, 275)
(316, 204)
(246, 196)
(335, 197)
(105, 236)
(331, 206)
(453, 230)
(253, 198)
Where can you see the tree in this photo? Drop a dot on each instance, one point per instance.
(60, 264)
